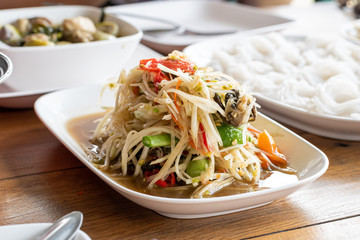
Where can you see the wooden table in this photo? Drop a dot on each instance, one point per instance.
(40, 180)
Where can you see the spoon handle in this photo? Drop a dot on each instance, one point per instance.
(150, 18)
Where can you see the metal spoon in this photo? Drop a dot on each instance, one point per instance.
(182, 30)
(5, 67)
(174, 27)
(65, 228)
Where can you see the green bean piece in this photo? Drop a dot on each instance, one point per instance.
(160, 140)
(229, 134)
(196, 167)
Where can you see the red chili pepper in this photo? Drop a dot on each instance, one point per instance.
(161, 183)
(203, 135)
(148, 174)
(169, 182)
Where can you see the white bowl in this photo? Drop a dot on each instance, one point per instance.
(49, 68)
(57, 108)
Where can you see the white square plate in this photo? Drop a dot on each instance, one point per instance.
(57, 108)
(200, 16)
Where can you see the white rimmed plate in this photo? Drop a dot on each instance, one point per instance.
(344, 128)
(320, 124)
(31, 231)
(57, 108)
(201, 16)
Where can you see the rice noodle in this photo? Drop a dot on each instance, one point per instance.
(316, 74)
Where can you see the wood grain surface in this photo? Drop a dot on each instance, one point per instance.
(40, 180)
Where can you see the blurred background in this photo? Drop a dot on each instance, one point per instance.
(4, 4)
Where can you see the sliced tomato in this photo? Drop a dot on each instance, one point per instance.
(152, 64)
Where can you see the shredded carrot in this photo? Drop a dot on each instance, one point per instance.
(192, 144)
(253, 130)
(178, 83)
(176, 121)
(267, 144)
(264, 162)
(177, 87)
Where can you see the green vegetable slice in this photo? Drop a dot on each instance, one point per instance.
(196, 167)
(160, 140)
(230, 135)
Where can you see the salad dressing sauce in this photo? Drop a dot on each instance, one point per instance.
(81, 129)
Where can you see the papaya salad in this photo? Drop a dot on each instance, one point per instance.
(176, 124)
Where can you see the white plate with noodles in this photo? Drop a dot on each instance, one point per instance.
(180, 176)
(308, 82)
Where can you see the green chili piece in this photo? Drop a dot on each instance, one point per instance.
(195, 167)
(229, 134)
(160, 140)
